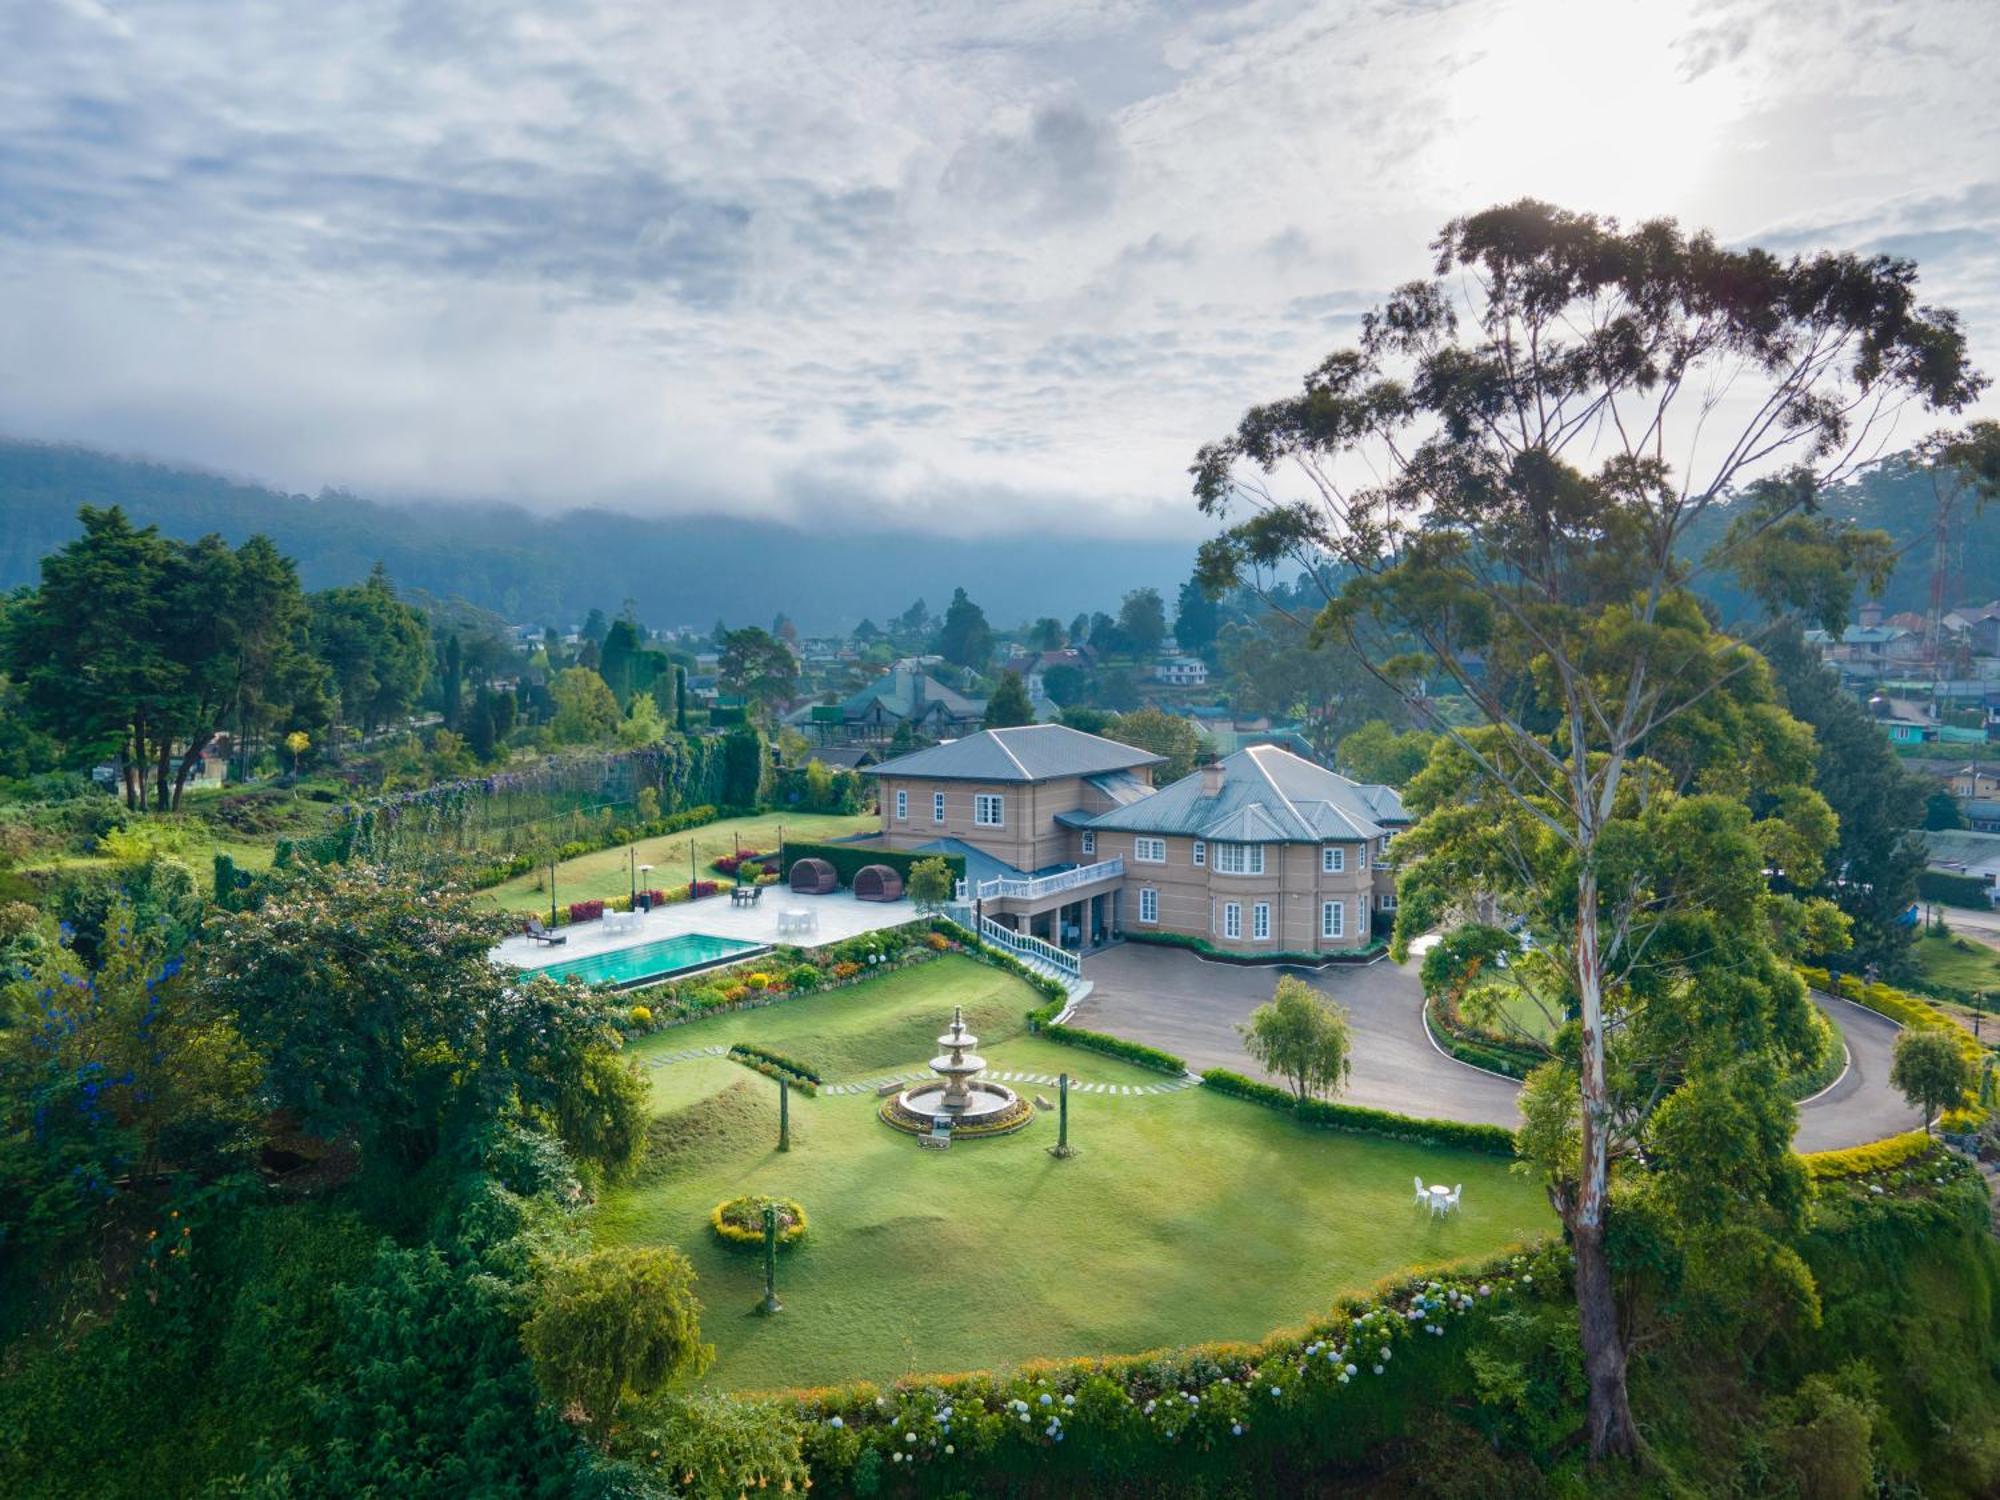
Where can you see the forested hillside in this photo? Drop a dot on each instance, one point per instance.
(554, 569)
(1894, 496)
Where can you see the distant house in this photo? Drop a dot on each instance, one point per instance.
(843, 757)
(1873, 643)
(1181, 671)
(1066, 839)
(1974, 780)
(1982, 814)
(1965, 852)
(902, 698)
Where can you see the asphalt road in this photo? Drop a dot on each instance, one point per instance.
(1171, 998)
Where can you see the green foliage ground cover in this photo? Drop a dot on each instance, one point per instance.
(1957, 962)
(1187, 1216)
(606, 874)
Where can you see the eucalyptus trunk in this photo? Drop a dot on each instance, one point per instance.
(1612, 1434)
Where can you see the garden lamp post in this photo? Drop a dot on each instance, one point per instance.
(771, 1304)
(1062, 1148)
(632, 870)
(552, 890)
(784, 1115)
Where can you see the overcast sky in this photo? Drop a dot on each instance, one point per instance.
(962, 263)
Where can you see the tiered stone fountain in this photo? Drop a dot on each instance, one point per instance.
(958, 1102)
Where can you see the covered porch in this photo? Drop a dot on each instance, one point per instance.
(1078, 908)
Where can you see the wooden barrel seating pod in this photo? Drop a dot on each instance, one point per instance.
(877, 883)
(814, 877)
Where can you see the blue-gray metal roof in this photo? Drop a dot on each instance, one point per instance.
(1028, 752)
(979, 865)
(1267, 796)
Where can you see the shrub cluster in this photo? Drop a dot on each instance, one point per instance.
(1494, 1140)
(740, 1221)
(585, 911)
(1876, 1156)
(733, 864)
(1477, 1048)
(1137, 1053)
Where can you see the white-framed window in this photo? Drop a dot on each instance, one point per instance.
(989, 810)
(1200, 853)
(1090, 841)
(1361, 856)
(902, 804)
(1388, 901)
(1239, 859)
(937, 807)
(1232, 919)
(1382, 850)
(1150, 851)
(1332, 860)
(1149, 905)
(1333, 919)
(1260, 921)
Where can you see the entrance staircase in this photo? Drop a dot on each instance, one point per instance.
(1044, 958)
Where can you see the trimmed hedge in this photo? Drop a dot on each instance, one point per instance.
(846, 859)
(1136, 1053)
(1954, 890)
(1909, 1010)
(778, 1059)
(1480, 1052)
(777, 1071)
(1876, 1156)
(1494, 1140)
(1208, 950)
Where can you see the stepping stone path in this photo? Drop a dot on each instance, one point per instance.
(1046, 1080)
(694, 1055)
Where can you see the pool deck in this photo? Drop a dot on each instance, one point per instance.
(840, 916)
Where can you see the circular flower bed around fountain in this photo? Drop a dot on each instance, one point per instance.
(740, 1221)
(968, 1105)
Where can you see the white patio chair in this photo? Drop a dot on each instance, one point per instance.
(1423, 1193)
(1451, 1199)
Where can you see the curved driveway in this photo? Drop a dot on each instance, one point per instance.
(1173, 999)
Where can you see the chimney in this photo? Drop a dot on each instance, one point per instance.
(1871, 614)
(1211, 779)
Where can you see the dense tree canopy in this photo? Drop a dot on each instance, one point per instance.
(1489, 502)
(964, 638)
(1009, 706)
(143, 648)
(377, 648)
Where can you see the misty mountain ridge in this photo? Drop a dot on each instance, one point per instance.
(553, 569)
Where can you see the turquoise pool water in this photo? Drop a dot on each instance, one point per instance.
(659, 960)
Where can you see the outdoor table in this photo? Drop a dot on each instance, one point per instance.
(1440, 1196)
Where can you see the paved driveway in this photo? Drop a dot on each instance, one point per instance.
(1173, 999)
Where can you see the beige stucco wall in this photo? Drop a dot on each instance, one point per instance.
(1029, 837)
(1192, 896)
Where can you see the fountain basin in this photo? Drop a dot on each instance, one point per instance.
(989, 1109)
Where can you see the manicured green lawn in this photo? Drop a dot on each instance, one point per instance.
(606, 873)
(1942, 961)
(1187, 1216)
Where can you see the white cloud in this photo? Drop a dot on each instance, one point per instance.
(973, 266)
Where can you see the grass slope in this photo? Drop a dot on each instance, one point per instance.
(607, 872)
(1187, 1216)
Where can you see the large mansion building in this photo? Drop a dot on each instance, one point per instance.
(1065, 837)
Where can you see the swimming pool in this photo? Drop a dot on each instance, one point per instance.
(624, 967)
